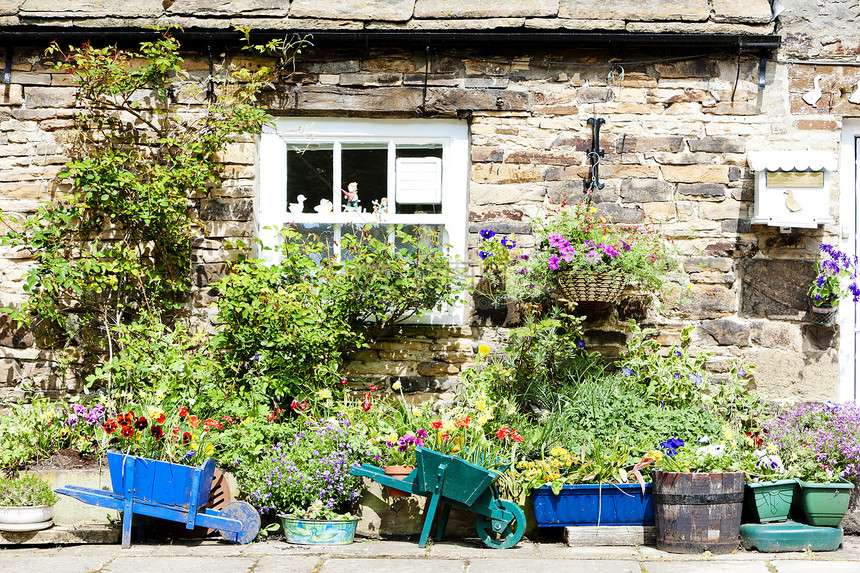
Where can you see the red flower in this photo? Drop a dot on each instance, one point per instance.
(294, 404)
(365, 405)
(157, 432)
(161, 418)
(436, 425)
(212, 423)
(516, 437)
(344, 381)
(228, 419)
(373, 388)
(127, 431)
(272, 415)
(303, 406)
(503, 432)
(186, 438)
(175, 430)
(110, 426)
(444, 437)
(183, 411)
(194, 421)
(141, 423)
(463, 422)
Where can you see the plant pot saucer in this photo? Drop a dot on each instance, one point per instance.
(26, 526)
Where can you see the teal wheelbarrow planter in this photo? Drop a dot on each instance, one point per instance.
(452, 482)
(168, 491)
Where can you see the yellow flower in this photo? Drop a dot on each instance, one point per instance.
(771, 448)
(481, 405)
(154, 412)
(324, 394)
(558, 451)
(690, 286)
(397, 385)
(483, 350)
(392, 437)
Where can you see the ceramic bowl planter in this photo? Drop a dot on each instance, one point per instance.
(769, 501)
(32, 518)
(823, 504)
(318, 531)
(594, 504)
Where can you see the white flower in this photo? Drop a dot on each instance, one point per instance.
(715, 450)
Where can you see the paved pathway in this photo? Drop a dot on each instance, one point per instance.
(372, 556)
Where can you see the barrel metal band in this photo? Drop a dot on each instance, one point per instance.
(698, 499)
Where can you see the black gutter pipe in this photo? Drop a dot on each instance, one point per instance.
(342, 38)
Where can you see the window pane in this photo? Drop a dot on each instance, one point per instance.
(310, 170)
(318, 232)
(364, 177)
(364, 233)
(419, 152)
(421, 234)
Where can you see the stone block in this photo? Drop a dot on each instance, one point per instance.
(372, 10)
(742, 11)
(49, 97)
(226, 209)
(777, 335)
(732, 108)
(505, 194)
(326, 98)
(633, 10)
(226, 8)
(698, 68)
(624, 215)
(91, 8)
(639, 144)
(718, 144)
(507, 173)
(451, 100)
(364, 79)
(696, 173)
(816, 124)
(776, 288)
(593, 95)
(821, 337)
(13, 336)
(727, 332)
(709, 302)
(542, 158)
(10, 372)
(88, 533)
(486, 154)
(727, 209)
(646, 190)
(659, 211)
(446, 9)
(736, 226)
(437, 369)
(11, 94)
(702, 189)
(790, 375)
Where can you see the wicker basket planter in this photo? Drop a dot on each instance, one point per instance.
(822, 315)
(594, 291)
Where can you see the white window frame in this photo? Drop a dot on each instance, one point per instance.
(452, 135)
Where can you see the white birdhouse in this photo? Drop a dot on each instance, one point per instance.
(792, 188)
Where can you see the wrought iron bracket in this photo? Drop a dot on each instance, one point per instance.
(593, 183)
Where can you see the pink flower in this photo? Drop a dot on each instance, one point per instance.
(592, 256)
(553, 262)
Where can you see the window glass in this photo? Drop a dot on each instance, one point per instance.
(364, 177)
(310, 171)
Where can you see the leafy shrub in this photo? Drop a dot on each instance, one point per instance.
(25, 491)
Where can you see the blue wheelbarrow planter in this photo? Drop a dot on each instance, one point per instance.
(168, 491)
(452, 482)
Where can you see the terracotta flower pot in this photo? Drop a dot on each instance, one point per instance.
(400, 472)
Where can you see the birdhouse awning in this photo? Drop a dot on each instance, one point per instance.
(792, 161)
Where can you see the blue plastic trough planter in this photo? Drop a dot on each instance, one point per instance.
(604, 504)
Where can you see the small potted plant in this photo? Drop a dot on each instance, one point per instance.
(26, 504)
(305, 482)
(836, 278)
(769, 488)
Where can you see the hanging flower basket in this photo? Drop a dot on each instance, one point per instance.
(822, 315)
(594, 291)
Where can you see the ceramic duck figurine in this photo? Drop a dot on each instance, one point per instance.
(299, 206)
(812, 96)
(855, 97)
(325, 206)
(791, 203)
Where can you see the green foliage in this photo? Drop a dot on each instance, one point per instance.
(286, 327)
(25, 491)
(674, 377)
(119, 243)
(542, 358)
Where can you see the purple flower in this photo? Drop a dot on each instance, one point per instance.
(610, 251)
(627, 371)
(72, 420)
(421, 434)
(592, 256)
(506, 242)
(671, 446)
(80, 410)
(524, 257)
(696, 378)
(487, 234)
(625, 245)
(553, 262)
(580, 343)
(556, 239)
(484, 254)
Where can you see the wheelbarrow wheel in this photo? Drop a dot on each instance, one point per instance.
(500, 535)
(245, 513)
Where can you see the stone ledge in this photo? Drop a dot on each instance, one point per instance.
(101, 533)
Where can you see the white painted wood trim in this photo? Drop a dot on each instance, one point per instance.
(849, 186)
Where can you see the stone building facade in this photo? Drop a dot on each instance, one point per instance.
(679, 83)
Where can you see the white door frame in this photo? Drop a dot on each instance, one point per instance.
(849, 186)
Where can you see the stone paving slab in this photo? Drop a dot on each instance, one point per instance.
(287, 564)
(714, 566)
(172, 564)
(394, 566)
(44, 564)
(815, 566)
(547, 565)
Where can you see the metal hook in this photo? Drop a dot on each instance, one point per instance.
(611, 76)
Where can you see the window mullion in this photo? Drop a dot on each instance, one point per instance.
(337, 177)
(392, 182)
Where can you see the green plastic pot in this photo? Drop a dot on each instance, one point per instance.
(769, 501)
(823, 504)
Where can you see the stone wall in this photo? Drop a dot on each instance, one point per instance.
(676, 138)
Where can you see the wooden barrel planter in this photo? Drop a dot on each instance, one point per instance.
(697, 512)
